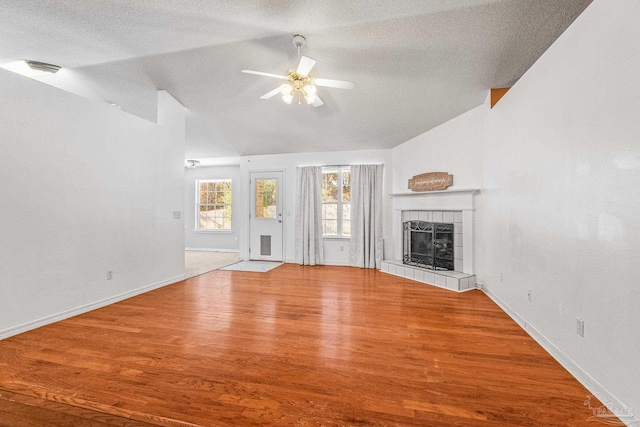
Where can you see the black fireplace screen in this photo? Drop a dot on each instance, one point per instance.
(428, 245)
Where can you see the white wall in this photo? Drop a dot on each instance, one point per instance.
(336, 250)
(561, 200)
(85, 188)
(454, 147)
(559, 211)
(211, 240)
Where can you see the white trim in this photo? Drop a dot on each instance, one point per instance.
(435, 201)
(327, 264)
(15, 330)
(426, 193)
(590, 383)
(337, 264)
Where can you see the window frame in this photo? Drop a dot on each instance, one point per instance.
(340, 202)
(197, 228)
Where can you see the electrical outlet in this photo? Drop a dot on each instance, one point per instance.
(341, 248)
(501, 276)
(529, 295)
(580, 327)
(177, 214)
(109, 274)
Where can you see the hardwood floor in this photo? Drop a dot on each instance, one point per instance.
(299, 346)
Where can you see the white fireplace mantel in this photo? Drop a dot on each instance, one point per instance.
(445, 200)
(461, 200)
(430, 193)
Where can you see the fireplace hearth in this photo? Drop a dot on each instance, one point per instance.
(428, 245)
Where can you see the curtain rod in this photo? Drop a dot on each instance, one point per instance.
(326, 166)
(346, 166)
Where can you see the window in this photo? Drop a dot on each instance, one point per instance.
(213, 204)
(336, 202)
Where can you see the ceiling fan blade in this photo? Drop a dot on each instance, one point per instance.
(318, 102)
(271, 93)
(260, 73)
(305, 65)
(340, 84)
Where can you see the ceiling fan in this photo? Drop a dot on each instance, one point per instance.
(299, 81)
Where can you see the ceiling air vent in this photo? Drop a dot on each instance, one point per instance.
(43, 67)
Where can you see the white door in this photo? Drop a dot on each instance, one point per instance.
(265, 223)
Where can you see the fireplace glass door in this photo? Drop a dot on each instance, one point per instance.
(428, 245)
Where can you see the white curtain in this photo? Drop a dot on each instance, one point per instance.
(366, 216)
(309, 247)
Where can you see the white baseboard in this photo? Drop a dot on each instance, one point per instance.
(15, 330)
(212, 250)
(332, 264)
(624, 413)
(337, 264)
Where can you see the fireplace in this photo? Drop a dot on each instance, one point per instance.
(412, 213)
(428, 245)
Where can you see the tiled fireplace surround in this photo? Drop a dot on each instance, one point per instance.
(449, 206)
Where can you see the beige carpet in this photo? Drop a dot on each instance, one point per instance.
(199, 262)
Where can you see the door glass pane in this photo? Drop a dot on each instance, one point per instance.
(266, 202)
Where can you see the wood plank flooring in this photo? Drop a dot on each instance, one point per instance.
(297, 346)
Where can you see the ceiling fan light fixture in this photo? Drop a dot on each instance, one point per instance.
(298, 81)
(287, 97)
(309, 89)
(286, 88)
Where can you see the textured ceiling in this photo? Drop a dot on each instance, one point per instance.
(416, 64)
